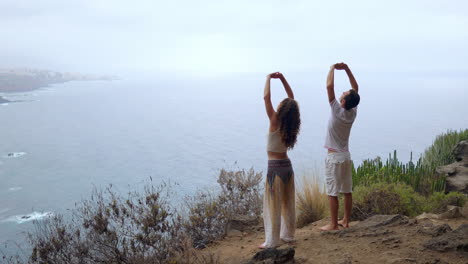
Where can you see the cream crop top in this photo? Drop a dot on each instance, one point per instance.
(274, 143)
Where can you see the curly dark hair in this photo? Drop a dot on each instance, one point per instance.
(352, 99)
(290, 121)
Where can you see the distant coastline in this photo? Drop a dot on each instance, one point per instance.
(25, 79)
(3, 101)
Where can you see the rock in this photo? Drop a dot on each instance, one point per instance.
(464, 210)
(401, 260)
(455, 240)
(440, 230)
(461, 150)
(391, 240)
(347, 260)
(452, 212)
(273, 256)
(427, 216)
(412, 222)
(458, 181)
(383, 220)
(435, 230)
(371, 226)
(457, 172)
(242, 223)
(375, 233)
(201, 244)
(233, 233)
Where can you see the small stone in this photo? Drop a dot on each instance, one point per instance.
(427, 216)
(242, 223)
(412, 222)
(273, 255)
(454, 240)
(435, 230)
(452, 212)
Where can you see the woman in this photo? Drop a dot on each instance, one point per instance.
(279, 214)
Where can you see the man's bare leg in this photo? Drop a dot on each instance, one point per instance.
(333, 200)
(348, 206)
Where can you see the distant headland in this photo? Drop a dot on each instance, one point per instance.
(3, 101)
(26, 79)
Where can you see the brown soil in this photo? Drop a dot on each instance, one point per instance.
(391, 244)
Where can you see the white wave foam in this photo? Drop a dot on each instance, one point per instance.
(20, 219)
(14, 189)
(15, 154)
(5, 104)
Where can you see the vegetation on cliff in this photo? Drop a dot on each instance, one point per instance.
(147, 227)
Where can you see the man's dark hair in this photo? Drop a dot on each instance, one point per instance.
(351, 100)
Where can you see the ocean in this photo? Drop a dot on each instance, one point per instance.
(59, 142)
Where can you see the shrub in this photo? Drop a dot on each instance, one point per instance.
(209, 212)
(241, 192)
(421, 175)
(440, 152)
(383, 198)
(144, 227)
(311, 201)
(207, 218)
(141, 228)
(394, 171)
(438, 202)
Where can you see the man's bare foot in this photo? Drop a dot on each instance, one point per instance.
(289, 241)
(329, 227)
(343, 223)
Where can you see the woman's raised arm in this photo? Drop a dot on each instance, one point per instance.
(267, 98)
(287, 88)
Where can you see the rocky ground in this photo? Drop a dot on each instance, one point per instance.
(379, 239)
(429, 238)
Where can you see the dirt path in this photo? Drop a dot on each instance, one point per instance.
(393, 243)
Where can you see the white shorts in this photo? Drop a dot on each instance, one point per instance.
(338, 173)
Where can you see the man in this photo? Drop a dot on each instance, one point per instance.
(338, 161)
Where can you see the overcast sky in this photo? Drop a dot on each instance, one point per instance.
(107, 36)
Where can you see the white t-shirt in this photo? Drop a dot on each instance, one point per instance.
(339, 127)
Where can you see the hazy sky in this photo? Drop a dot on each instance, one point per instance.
(107, 36)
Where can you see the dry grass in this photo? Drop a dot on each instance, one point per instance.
(210, 211)
(311, 200)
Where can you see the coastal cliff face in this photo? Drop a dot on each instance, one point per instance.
(21, 80)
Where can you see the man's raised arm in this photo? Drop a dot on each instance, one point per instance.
(331, 84)
(352, 80)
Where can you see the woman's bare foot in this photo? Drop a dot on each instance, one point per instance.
(329, 227)
(264, 246)
(343, 223)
